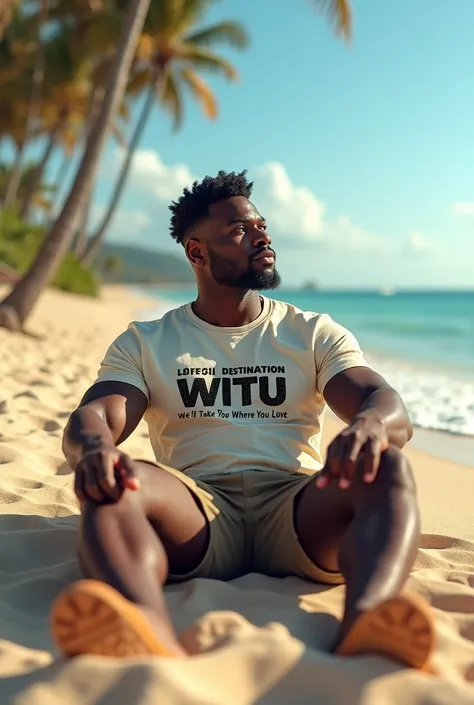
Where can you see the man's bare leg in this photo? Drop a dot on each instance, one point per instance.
(129, 547)
(370, 532)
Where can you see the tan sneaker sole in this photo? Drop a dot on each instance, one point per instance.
(90, 617)
(400, 628)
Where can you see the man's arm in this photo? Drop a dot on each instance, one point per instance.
(359, 392)
(108, 413)
(376, 418)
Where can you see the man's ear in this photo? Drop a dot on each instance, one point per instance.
(195, 252)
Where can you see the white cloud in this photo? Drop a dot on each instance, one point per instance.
(294, 213)
(152, 175)
(463, 208)
(290, 210)
(416, 243)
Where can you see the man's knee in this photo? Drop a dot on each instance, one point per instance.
(146, 500)
(395, 470)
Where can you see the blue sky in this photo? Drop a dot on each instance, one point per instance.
(363, 155)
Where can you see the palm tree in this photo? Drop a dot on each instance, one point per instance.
(70, 72)
(17, 306)
(340, 12)
(7, 10)
(70, 103)
(170, 54)
(37, 83)
(66, 87)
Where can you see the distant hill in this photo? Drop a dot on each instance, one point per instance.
(128, 264)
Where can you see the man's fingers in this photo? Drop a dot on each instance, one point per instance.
(79, 489)
(374, 452)
(349, 461)
(85, 484)
(333, 463)
(102, 476)
(92, 486)
(104, 465)
(370, 464)
(126, 468)
(322, 480)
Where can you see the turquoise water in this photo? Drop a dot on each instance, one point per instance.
(422, 342)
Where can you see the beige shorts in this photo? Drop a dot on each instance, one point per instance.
(250, 516)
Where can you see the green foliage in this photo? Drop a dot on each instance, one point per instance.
(42, 191)
(124, 264)
(76, 278)
(19, 243)
(18, 240)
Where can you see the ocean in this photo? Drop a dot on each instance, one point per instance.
(421, 342)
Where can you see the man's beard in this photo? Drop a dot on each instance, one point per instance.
(224, 272)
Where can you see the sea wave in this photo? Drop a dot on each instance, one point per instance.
(435, 399)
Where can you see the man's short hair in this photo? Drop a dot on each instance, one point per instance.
(193, 205)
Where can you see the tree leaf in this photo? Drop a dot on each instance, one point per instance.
(232, 33)
(201, 92)
(171, 98)
(199, 58)
(340, 12)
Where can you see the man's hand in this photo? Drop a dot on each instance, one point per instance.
(366, 438)
(103, 474)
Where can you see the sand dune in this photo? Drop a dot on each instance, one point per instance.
(256, 639)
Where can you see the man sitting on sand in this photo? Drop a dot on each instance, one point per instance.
(233, 387)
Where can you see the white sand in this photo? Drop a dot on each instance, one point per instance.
(272, 634)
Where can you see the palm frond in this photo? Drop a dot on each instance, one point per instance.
(207, 60)
(146, 48)
(140, 80)
(201, 92)
(100, 32)
(232, 33)
(7, 12)
(41, 202)
(189, 13)
(340, 12)
(68, 140)
(169, 18)
(171, 98)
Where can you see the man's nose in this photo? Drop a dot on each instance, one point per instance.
(261, 239)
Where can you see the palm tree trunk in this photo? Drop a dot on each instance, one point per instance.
(38, 77)
(40, 169)
(80, 244)
(81, 239)
(96, 98)
(18, 305)
(14, 178)
(58, 181)
(95, 242)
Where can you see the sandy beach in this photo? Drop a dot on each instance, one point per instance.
(254, 640)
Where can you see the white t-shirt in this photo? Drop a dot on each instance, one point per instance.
(229, 399)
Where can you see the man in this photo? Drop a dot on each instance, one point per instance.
(233, 388)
